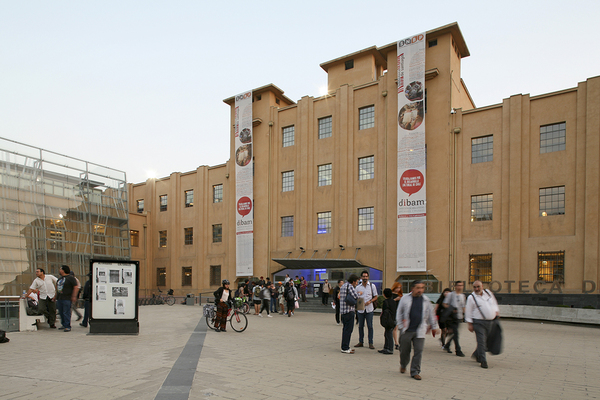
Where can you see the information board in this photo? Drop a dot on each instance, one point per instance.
(114, 296)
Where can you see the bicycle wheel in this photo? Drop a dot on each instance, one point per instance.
(210, 322)
(170, 300)
(238, 322)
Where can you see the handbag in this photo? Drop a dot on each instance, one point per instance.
(351, 301)
(447, 314)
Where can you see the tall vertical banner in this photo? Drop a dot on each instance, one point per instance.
(412, 234)
(244, 192)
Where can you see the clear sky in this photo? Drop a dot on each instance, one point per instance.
(139, 85)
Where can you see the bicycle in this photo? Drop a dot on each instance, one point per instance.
(164, 299)
(237, 319)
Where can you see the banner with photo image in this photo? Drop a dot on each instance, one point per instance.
(411, 227)
(244, 192)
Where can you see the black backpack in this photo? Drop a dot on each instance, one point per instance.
(387, 320)
(3, 338)
(290, 295)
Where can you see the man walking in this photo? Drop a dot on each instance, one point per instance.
(67, 294)
(415, 317)
(348, 298)
(46, 285)
(74, 304)
(326, 289)
(456, 301)
(367, 292)
(481, 309)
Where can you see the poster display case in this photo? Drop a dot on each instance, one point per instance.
(115, 292)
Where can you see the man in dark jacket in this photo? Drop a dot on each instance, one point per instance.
(388, 321)
(87, 297)
(336, 300)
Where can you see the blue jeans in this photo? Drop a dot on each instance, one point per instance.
(348, 321)
(273, 304)
(361, 326)
(64, 309)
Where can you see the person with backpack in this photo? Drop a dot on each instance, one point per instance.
(256, 295)
(281, 297)
(291, 295)
(388, 321)
(265, 296)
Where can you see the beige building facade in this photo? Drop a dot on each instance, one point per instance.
(512, 189)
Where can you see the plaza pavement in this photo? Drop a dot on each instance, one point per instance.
(288, 358)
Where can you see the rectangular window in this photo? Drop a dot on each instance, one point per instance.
(325, 127)
(140, 206)
(480, 267)
(288, 136)
(217, 233)
(287, 181)
(186, 276)
(188, 234)
(324, 173)
(215, 275)
(366, 168)
(163, 202)
(481, 207)
(161, 277)
(482, 149)
(349, 64)
(287, 226)
(366, 218)
(552, 201)
(553, 137)
(189, 198)
(366, 117)
(162, 238)
(218, 193)
(324, 222)
(551, 266)
(135, 238)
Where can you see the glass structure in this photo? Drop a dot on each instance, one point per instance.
(57, 210)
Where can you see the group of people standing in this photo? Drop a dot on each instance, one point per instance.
(413, 317)
(59, 294)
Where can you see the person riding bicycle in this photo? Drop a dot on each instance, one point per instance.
(223, 300)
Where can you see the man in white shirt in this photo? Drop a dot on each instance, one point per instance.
(481, 310)
(46, 285)
(368, 293)
(456, 300)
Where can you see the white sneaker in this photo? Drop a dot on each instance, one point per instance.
(260, 315)
(269, 316)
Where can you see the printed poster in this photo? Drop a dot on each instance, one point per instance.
(411, 227)
(244, 191)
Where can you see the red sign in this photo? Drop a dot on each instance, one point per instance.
(411, 181)
(244, 206)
